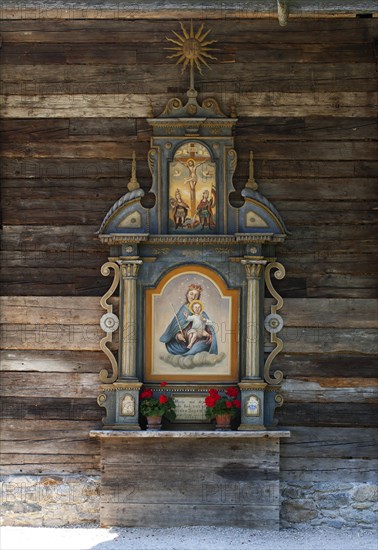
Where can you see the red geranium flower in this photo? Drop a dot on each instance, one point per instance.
(237, 403)
(210, 401)
(213, 392)
(163, 399)
(146, 394)
(163, 384)
(228, 404)
(232, 392)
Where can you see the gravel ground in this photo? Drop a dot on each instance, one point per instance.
(184, 538)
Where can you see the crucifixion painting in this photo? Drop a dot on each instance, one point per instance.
(192, 189)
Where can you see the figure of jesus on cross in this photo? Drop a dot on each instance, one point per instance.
(192, 162)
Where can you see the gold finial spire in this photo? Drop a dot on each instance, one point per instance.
(150, 113)
(251, 183)
(133, 183)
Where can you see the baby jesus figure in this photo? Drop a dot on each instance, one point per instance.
(199, 322)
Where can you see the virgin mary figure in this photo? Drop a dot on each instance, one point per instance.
(175, 336)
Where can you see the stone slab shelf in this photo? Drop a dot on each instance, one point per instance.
(129, 434)
(182, 478)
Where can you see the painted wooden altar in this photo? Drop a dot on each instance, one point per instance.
(188, 242)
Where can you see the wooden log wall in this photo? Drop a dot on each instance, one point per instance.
(76, 94)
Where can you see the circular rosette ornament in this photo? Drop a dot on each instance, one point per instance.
(109, 322)
(273, 323)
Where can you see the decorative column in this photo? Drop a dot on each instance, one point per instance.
(254, 270)
(128, 314)
(252, 386)
(120, 392)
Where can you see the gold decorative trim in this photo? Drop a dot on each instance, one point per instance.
(129, 386)
(279, 274)
(130, 238)
(254, 386)
(104, 373)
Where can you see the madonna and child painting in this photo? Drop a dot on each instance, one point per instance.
(191, 326)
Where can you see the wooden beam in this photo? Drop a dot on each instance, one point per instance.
(193, 9)
(341, 104)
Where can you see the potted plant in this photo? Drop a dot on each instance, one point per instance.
(154, 408)
(222, 406)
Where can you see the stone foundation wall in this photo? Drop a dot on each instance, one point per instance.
(55, 501)
(50, 501)
(330, 504)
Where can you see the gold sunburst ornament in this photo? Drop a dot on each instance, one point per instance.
(191, 49)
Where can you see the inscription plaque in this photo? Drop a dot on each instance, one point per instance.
(189, 408)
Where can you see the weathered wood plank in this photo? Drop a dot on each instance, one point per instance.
(297, 129)
(253, 129)
(98, 77)
(353, 286)
(47, 437)
(273, 150)
(51, 337)
(264, 10)
(334, 390)
(71, 31)
(322, 365)
(53, 361)
(177, 515)
(352, 104)
(38, 384)
(51, 409)
(187, 485)
(36, 464)
(355, 470)
(50, 310)
(328, 414)
(329, 340)
(328, 442)
(197, 453)
(329, 312)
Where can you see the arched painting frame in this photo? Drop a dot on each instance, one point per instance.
(188, 343)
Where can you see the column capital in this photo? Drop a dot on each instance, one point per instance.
(130, 268)
(253, 268)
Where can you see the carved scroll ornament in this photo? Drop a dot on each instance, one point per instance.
(109, 323)
(274, 322)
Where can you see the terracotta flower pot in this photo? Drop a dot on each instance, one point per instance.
(223, 422)
(153, 422)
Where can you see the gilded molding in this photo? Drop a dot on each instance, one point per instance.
(135, 238)
(253, 386)
(117, 386)
(104, 373)
(279, 274)
(205, 123)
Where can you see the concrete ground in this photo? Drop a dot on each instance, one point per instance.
(184, 538)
